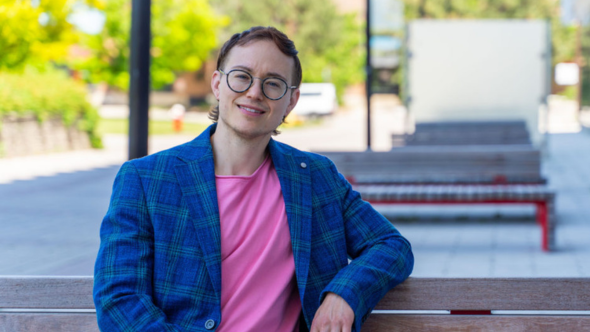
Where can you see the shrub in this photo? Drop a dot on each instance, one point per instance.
(46, 95)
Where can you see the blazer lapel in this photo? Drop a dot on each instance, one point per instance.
(197, 182)
(294, 177)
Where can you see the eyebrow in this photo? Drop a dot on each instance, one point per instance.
(274, 74)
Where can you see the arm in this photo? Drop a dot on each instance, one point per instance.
(124, 266)
(381, 257)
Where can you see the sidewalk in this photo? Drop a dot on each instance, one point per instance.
(52, 206)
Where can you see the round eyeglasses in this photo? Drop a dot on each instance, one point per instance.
(273, 88)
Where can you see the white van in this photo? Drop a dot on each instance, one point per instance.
(316, 99)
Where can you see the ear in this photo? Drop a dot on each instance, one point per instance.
(215, 81)
(293, 101)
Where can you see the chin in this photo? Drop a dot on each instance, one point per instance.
(251, 133)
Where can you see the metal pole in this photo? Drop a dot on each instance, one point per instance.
(139, 74)
(369, 74)
(580, 62)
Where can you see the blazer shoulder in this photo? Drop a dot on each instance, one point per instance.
(187, 152)
(167, 159)
(311, 156)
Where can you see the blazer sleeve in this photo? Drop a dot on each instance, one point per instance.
(381, 257)
(124, 266)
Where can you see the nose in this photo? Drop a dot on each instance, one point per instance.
(255, 91)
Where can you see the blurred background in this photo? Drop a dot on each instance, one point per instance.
(64, 112)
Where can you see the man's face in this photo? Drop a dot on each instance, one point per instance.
(250, 114)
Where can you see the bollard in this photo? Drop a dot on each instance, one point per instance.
(177, 114)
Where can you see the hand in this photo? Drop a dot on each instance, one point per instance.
(334, 315)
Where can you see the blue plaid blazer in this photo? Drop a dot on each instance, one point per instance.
(159, 264)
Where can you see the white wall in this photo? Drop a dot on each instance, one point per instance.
(478, 70)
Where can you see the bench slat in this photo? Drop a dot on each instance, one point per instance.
(489, 294)
(457, 323)
(48, 322)
(31, 292)
(461, 193)
(451, 164)
(466, 133)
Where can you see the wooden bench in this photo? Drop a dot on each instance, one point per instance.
(52, 304)
(465, 133)
(491, 164)
(48, 304)
(453, 175)
(520, 304)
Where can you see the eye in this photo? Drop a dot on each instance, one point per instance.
(242, 76)
(273, 83)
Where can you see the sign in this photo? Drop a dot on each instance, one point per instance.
(567, 73)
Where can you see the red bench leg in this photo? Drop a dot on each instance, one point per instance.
(542, 220)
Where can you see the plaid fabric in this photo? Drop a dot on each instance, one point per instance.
(159, 263)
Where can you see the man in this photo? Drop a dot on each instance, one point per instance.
(234, 231)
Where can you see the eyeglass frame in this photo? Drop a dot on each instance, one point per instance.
(252, 82)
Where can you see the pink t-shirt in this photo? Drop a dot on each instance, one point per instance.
(258, 285)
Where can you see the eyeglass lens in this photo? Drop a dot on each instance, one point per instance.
(240, 81)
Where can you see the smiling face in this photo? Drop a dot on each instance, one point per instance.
(250, 114)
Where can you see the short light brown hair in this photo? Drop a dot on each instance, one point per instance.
(284, 44)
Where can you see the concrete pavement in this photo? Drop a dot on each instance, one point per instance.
(51, 208)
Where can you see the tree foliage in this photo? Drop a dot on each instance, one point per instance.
(329, 43)
(34, 32)
(183, 35)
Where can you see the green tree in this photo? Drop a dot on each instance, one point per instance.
(330, 44)
(183, 35)
(34, 32)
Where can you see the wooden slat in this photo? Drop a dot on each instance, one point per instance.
(448, 164)
(467, 133)
(479, 123)
(46, 292)
(380, 323)
(454, 193)
(13, 322)
(489, 294)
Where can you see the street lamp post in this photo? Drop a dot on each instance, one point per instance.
(369, 73)
(139, 76)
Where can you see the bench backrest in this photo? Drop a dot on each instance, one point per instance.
(48, 304)
(442, 164)
(65, 304)
(517, 304)
(469, 133)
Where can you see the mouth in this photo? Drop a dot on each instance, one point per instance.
(251, 109)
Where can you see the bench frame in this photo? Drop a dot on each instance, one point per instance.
(539, 195)
(543, 216)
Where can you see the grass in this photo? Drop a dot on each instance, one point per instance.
(121, 126)
(160, 127)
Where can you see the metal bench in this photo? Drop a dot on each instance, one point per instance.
(453, 175)
(465, 133)
(540, 196)
(520, 304)
(53, 304)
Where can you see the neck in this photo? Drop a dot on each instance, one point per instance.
(235, 155)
